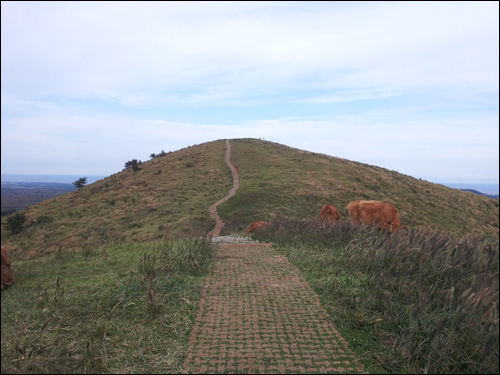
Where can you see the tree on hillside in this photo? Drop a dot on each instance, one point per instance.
(134, 164)
(80, 182)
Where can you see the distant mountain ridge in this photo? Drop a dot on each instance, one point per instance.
(494, 196)
(490, 189)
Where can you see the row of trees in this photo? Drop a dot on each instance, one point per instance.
(134, 164)
(153, 155)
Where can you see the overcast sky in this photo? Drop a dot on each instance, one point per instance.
(408, 86)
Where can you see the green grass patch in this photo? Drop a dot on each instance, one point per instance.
(118, 309)
(279, 181)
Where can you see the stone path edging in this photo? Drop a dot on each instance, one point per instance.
(232, 239)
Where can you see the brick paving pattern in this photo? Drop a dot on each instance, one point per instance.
(258, 314)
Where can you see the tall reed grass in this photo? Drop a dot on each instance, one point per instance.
(429, 299)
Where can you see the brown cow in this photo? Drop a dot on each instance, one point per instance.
(329, 214)
(255, 225)
(6, 272)
(384, 215)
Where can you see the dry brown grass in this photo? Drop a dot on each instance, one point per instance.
(169, 198)
(276, 180)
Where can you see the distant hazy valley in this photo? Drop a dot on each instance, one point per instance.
(18, 195)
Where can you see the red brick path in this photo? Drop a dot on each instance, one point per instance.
(259, 315)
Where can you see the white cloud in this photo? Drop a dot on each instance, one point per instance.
(156, 49)
(405, 85)
(353, 95)
(101, 144)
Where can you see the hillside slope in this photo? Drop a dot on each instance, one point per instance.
(276, 180)
(169, 198)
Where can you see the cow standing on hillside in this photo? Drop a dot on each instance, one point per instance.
(329, 214)
(382, 214)
(255, 225)
(6, 272)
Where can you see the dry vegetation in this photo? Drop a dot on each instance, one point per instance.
(167, 198)
(422, 301)
(279, 181)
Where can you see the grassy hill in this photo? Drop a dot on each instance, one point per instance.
(276, 180)
(121, 291)
(169, 198)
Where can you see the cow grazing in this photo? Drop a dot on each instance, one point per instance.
(6, 272)
(329, 214)
(384, 215)
(255, 225)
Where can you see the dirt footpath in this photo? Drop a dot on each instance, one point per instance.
(258, 314)
(213, 208)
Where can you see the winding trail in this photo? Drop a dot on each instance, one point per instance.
(258, 314)
(213, 208)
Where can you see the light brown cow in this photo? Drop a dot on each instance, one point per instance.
(329, 214)
(255, 225)
(6, 272)
(384, 215)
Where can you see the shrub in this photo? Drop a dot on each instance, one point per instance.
(133, 164)
(15, 223)
(154, 156)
